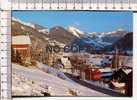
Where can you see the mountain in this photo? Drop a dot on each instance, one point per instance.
(90, 43)
(98, 41)
(37, 32)
(71, 36)
(76, 32)
(126, 42)
(118, 33)
(110, 37)
(23, 23)
(114, 36)
(21, 29)
(42, 29)
(61, 34)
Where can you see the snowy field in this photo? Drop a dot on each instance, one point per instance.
(35, 81)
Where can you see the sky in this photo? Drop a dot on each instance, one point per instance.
(87, 21)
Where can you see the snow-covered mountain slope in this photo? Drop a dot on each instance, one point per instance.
(24, 23)
(61, 34)
(90, 42)
(42, 29)
(117, 33)
(39, 28)
(126, 42)
(75, 31)
(96, 40)
(25, 79)
(114, 35)
(67, 36)
(45, 31)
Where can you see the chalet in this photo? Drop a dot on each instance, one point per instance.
(21, 49)
(123, 75)
(66, 64)
(93, 74)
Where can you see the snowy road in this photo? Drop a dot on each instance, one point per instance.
(58, 86)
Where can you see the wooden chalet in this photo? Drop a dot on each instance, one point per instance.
(21, 49)
(124, 75)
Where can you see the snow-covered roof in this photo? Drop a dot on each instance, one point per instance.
(129, 64)
(127, 71)
(95, 61)
(75, 31)
(66, 62)
(118, 85)
(105, 70)
(44, 79)
(22, 39)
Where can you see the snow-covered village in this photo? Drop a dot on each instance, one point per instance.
(69, 61)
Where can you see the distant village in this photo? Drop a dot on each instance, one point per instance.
(113, 72)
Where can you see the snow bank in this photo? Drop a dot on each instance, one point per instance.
(26, 87)
(31, 81)
(53, 71)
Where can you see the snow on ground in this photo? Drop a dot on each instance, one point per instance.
(53, 71)
(26, 87)
(33, 81)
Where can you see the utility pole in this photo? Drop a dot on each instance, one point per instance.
(115, 60)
